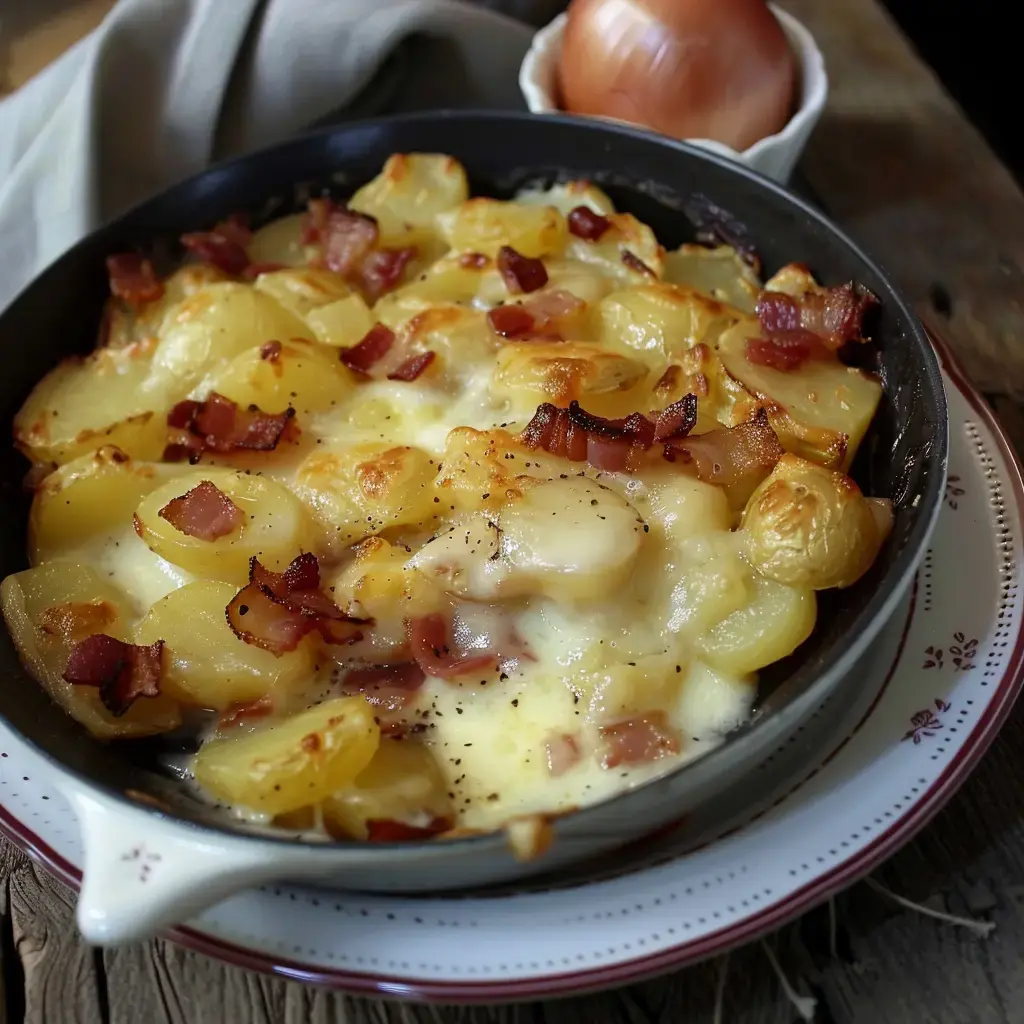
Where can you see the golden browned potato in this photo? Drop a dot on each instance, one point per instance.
(51, 608)
(566, 196)
(485, 225)
(273, 526)
(343, 323)
(96, 493)
(106, 398)
(298, 374)
(719, 272)
(358, 491)
(402, 783)
(205, 663)
(301, 289)
(280, 241)
(627, 252)
(811, 527)
(290, 764)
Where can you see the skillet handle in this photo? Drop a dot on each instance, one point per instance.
(141, 874)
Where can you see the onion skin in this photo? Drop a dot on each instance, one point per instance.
(696, 69)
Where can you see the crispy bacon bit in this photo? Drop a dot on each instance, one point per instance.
(785, 352)
(747, 452)
(562, 752)
(123, 672)
(412, 367)
(639, 740)
(542, 316)
(381, 269)
(224, 246)
(271, 351)
(474, 260)
(362, 357)
(275, 610)
(428, 638)
(833, 315)
(677, 420)
(521, 274)
(240, 714)
(580, 436)
(219, 425)
(205, 512)
(512, 321)
(634, 262)
(133, 278)
(387, 830)
(344, 236)
(586, 224)
(386, 687)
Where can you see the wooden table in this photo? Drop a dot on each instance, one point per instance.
(898, 164)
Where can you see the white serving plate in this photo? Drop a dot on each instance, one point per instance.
(870, 772)
(774, 156)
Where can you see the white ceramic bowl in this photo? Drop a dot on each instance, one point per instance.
(774, 156)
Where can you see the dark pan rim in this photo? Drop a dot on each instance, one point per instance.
(864, 624)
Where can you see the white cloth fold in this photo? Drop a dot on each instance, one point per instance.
(164, 87)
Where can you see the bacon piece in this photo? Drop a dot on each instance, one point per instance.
(123, 672)
(381, 269)
(833, 315)
(639, 740)
(428, 639)
(412, 367)
(562, 752)
(634, 262)
(785, 352)
(521, 274)
(205, 512)
(386, 687)
(730, 455)
(580, 436)
(345, 238)
(677, 420)
(388, 830)
(374, 346)
(275, 610)
(219, 425)
(224, 246)
(270, 351)
(133, 278)
(586, 224)
(239, 714)
(474, 260)
(542, 316)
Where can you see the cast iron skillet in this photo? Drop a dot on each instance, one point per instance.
(656, 179)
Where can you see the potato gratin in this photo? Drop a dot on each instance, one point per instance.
(430, 514)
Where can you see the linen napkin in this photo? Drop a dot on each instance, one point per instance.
(164, 87)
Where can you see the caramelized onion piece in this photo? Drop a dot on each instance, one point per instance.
(133, 278)
(639, 740)
(205, 512)
(123, 672)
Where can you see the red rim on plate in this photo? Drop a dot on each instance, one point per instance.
(684, 953)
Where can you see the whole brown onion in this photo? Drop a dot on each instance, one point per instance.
(708, 69)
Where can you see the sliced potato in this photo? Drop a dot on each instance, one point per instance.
(718, 272)
(288, 765)
(681, 506)
(301, 289)
(712, 583)
(619, 690)
(401, 783)
(571, 539)
(93, 494)
(298, 374)
(821, 410)
(280, 241)
(775, 623)
(566, 196)
(51, 608)
(275, 527)
(628, 251)
(485, 225)
(212, 326)
(343, 323)
(409, 193)
(811, 527)
(458, 336)
(106, 398)
(358, 491)
(205, 663)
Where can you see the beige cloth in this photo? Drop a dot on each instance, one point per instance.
(164, 87)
